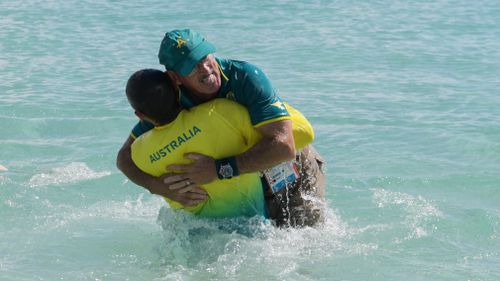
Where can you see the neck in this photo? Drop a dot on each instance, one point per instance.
(199, 97)
(170, 119)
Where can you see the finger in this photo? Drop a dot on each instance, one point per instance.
(190, 203)
(166, 175)
(174, 178)
(177, 185)
(186, 188)
(197, 196)
(178, 167)
(192, 199)
(199, 191)
(193, 156)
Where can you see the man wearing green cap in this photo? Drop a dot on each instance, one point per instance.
(200, 77)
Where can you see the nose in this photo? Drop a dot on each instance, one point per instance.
(204, 66)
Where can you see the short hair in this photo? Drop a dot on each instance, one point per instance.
(151, 92)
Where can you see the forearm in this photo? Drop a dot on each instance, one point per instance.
(262, 156)
(276, 146)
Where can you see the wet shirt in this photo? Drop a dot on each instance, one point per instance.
(218, 128)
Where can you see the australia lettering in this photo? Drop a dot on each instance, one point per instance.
(174, 144)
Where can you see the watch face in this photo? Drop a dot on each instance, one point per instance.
(226, 171)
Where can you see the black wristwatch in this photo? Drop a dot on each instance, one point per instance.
(226, 168)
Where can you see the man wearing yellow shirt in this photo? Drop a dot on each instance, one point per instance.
(217, 128)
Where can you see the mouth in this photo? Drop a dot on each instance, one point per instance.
(210, 78)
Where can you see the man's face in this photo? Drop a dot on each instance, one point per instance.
(205, 79)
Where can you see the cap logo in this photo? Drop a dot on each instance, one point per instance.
(180, 42)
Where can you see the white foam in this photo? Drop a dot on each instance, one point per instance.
(416, 210)
(230, 247)
(416, 205)
(74, 172)
(4, 180)
(130, 210)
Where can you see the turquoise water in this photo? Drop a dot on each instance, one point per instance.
(404, 98)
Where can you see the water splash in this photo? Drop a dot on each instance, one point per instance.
(416, 210)
(131, 210)
(74, 172)
(227, 249)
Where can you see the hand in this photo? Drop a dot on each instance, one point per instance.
(201, 171)
(191, 196)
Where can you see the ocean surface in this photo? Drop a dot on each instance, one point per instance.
(404, 97)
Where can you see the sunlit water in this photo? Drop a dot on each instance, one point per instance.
(403, 96)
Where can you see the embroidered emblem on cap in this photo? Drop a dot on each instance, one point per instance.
(180, 42)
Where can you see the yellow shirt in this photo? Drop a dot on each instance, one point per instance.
(219, 128)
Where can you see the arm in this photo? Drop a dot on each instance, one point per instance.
(276, 146)
(254, 91)
(155, 185)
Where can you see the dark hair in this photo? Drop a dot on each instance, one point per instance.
(151, 92)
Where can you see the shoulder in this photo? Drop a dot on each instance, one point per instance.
(239, 66)
(245, 81)
(222, 109)
(219, 106)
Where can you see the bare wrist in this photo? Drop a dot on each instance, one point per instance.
(151, 183)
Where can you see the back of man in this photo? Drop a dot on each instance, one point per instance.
(218, 128)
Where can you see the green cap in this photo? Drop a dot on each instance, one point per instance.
(182, 49)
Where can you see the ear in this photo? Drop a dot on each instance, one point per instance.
(174, 77)
(139, 114)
